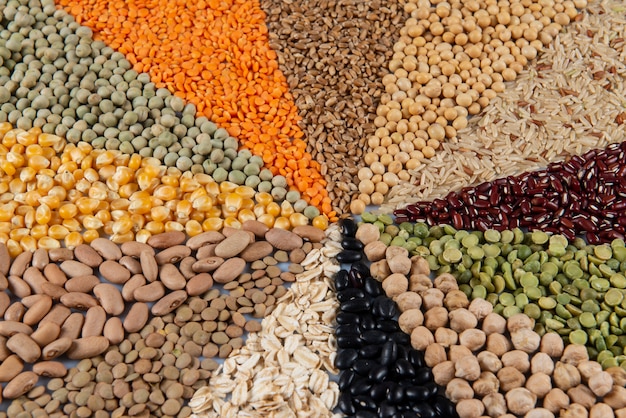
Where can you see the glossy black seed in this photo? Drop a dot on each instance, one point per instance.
(365, 414)
(347, 318)
(346, 358)
(349, 256)
(342, 281)
(367, 322)
(416, 393)
(389, 353)
(346, 378)
(365, 402)
(361, 268)
(378, 374)
(360, 386)
(381, 391)
(404, 369)
(444, 407)
(387, 325)
(396, 395)
(349, 341)
(416, 358)
(349, 294)
(384, 307)
(347, 329)
(349, 243)
(374, 336)
(356, 305)
(387, 411)
(372, 286)
(345, 404)
(423, 375)
(370, 351)
(424, 410)
(356, 278)
(401, 338)
(403, 352)
(363, 366)
(348, 227)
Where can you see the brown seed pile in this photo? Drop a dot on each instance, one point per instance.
(334, 55)
(491, 366)
(65, 309)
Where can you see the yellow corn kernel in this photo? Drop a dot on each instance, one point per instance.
(58, 232)
(140, 206)
(154, 227)
(188, 185)
(286, 209)
(173, 226)
(170, 180)
(247, 203)
(50, 140)
(159, 213)
(122, 238)
(55, 162)
(134, 162)
(138, 222)
(74, 239)
(118, 214)
(105, 158)
(91, 222)
(193, 228)
(98, 191)
(273, 209)
(7, 198)
(48, 243)
(27, 137)
(201, 216)
(246, 215)
(39, 231)
(7, 167)
(4, 128)
(197, 194)
(263, 198)
(32, 150)
(213, 188)
(203, 203)
(18, 149)
(58, 192)
(86, 205)
(28, 243)
(55, 219)
(122, 226)
(91, 175)
(259, 209)
(44, 183)
(5, 227)
(53, 202)
(298, 219)
(282, 223)
(320, 222)
(232, 222)
(32, 198)
(43, 214)
(72, 224)
(103, 215)
(213, 224)
(122, 176)
(127, 190)
(17, 186)
(213, 212)
(66, 180)
(246, 192)
(142, 236)
(38, 162)
(119, 204)
(19, 221)
(73, 195)
(165, 192)
(227, 186)
(221, 198)
(87, 162)
(27, 174)
(69, 166)
(16, 159)
(108, 228)
(7, 212)
(68, 211)
(4, 187)
(10, 138)
(89, 235)
(14, 248)
(106, 172)
(267, 219)
(4, 237)
(232, 203)
(183, 209)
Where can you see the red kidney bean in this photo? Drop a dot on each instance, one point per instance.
(585, 195)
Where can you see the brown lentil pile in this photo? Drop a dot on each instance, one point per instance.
(55, 307)
(489, 365)
(334, 56)
(451, 60)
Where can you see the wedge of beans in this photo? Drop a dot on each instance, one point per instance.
(572, 288)
(381, 375)
(585, 195)
(94, 304)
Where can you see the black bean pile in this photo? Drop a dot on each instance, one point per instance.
(583, 195)
(334, 54)
(381, 375)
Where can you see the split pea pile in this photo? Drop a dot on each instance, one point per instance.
(95, 304)
(451, 59)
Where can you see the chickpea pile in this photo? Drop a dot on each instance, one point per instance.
(452, 58)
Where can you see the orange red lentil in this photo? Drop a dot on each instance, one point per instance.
(216, 55)
(54, 194)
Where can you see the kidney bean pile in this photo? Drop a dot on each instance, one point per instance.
(381, 375)
(584, 195)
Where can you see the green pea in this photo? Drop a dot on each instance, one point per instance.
(392, 230)
(499, 284)
(599, 284)
(574, 310)
(613, 297)
(469, 241)
(385, 238)
(368, 217)
(587, 320)
(553, 324)
(476, 253)
(432, 262)
(606, 270)
(452, 255)
(398, 241)
(449, 229)
(555, 288)
(603, 252)
(578, 337)
(506, 236)
(492, 235)
(521, 300)
(562, 312)
(602, 317)
(532, 310)
(479, 292)
(619, 253)
(529, 280)
(523, 252)
(421, 230)
(547, 303)
(539, 237)
(311, 212)
(491, 250)
(510, 311)
(590, 306)
(573, 271)
(573, 323)
(385, 219)
(507, 299)
(237, 177)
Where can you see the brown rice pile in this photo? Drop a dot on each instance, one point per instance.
(571, 100)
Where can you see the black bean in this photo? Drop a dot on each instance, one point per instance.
(353, 244)
(401, 338)
(348, 227)
(347, 318)
(370, 351)
(363, 366)
(388, 326)
(381, 390)
(378, 374)
(356, 305)
(349, 256)
(403, 368)
(423, 375)
(349, 294)
(361, 268)
(389, 353)
(366, 414)
(341, 280)
(357, 277)
(347, 329)
(360, 386)
(424, 410)
(345, 404)
(349, 341)
(443, 407)
(346, 378)
(372, 286)
(367, 322)
(387, 411)
(384, 307)
(416, 358)
(416, 393)
(365, 402)
(396, 395)
(374, 337)
(346, 358)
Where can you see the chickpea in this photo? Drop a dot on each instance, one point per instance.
(539, 384)
(495, 404)
(408, 300)
(489, 362)
(446, 337)
(458, 389)
(421, 338)
(443, 372)
(487, 383)
(555, 400)
(542, 363)
(434, 354)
